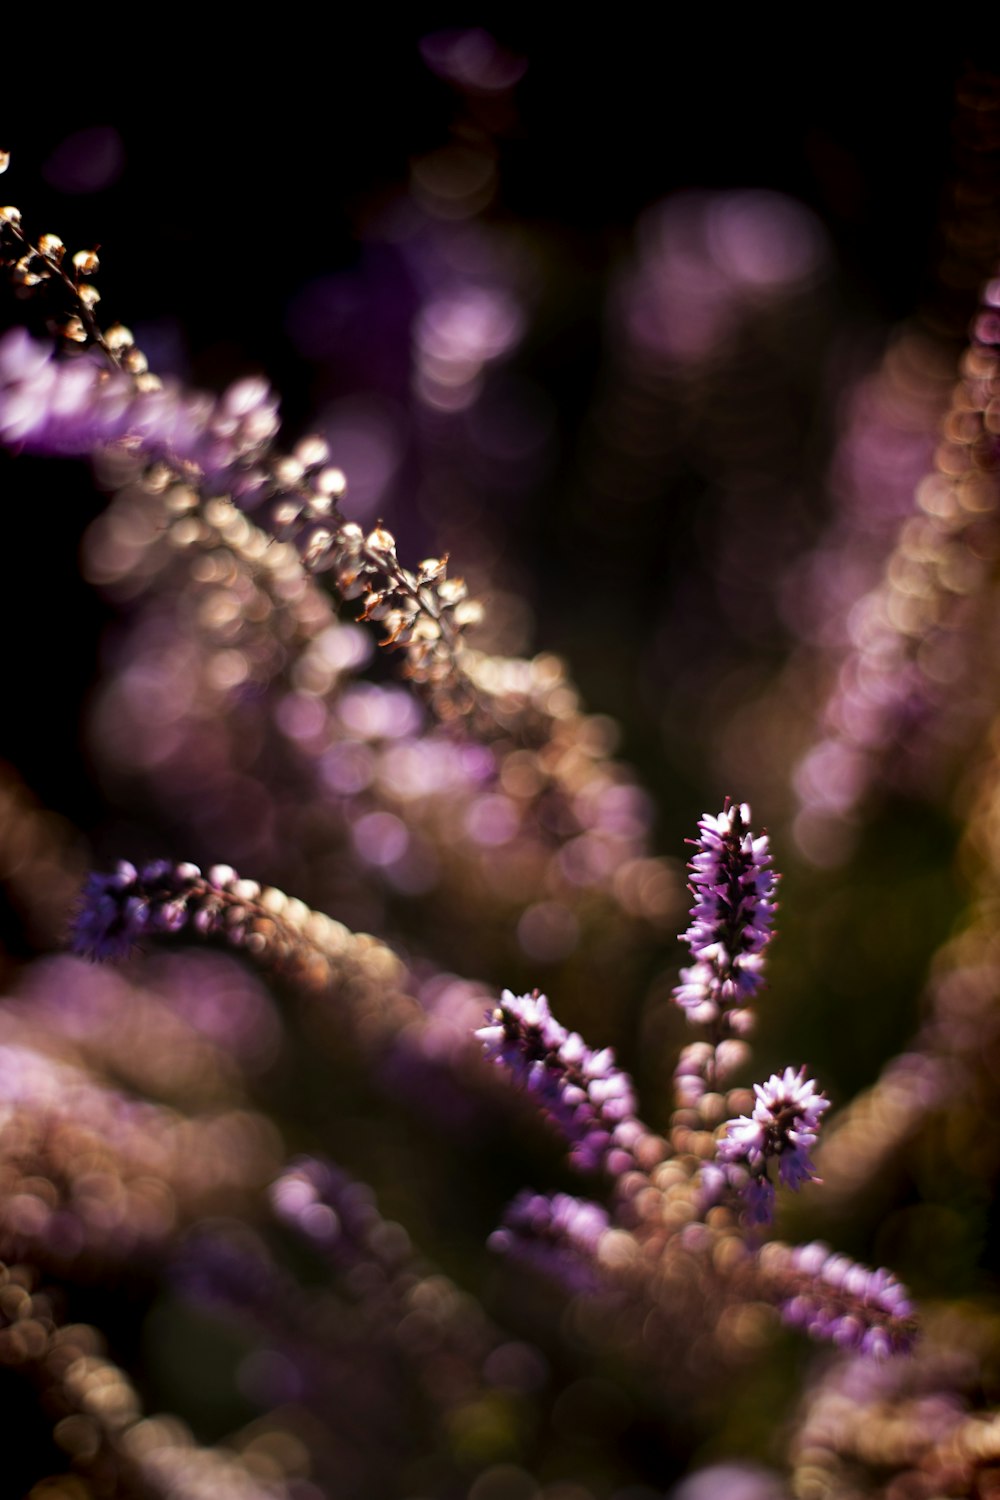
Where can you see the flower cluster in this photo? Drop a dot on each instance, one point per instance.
(586, 1096)
(589, 1099)
(374, 993)
(556, 1234)
(731, 920)
(106, 396)
(783, 1127)
(833, 1298)
(593, 1105)
(583, 1092)
(734, 889)
(77, 406)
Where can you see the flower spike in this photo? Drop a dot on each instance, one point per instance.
(731, 920)
(583, 1092)
(783, 1127)
(834, 1299)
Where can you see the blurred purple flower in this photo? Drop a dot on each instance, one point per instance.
(120, 909)
(79, 405)
(555, 1233)
(835, 1298)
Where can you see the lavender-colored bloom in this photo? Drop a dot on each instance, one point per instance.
(832, 1297)
(557, 1234)
(117, 911)
(337, 1215)
(585, 1095)
(734, 888)
(730, 1182)
(783, 1127)
(720, 1184)
(730, 1481)
(77, 406)
(759, 1198)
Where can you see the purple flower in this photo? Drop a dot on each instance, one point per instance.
(783, 1127)
(337, 1215)
(557, 1234)
(734, 887)
(117, 911)
(583, 1092)
(76, 406)
(832, 1297)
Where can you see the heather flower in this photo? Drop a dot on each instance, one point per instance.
(783, 1127)
(118, 910)
(833, 1298)
(734, 887)
(586, 1096)
(337, 1215)
(319, 955)
(76, 406)
(555, 1233)
(80, 407)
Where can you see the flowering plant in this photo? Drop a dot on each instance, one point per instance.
(452, 919)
